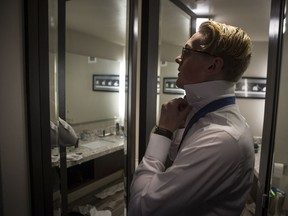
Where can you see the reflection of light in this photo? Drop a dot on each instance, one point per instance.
(284, 21)
(284, 25)
(122, 91)
(55, 78)
(201, 8)
(135, 27)
(199, 21)
(255, 88)
(274, 26)
(246, 88)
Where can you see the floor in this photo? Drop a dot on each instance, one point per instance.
(249, 209)
(106, 202)
(111, 202)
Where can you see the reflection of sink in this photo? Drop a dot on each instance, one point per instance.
(105, 134)
(97, 144)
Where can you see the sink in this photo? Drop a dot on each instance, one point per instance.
(98, 144)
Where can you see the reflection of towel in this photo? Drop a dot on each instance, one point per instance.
(53, 134)
(94, 212)
(73, 157)
(54, 158)
(66, 134)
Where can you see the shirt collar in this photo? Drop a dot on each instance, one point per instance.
(199, 94)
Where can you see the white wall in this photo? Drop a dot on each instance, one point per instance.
(79, 44)
(82, 103)
(83, 44)
(253, 109)
(14, 180)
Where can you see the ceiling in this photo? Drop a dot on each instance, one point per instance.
(251, 15)
(106, 19)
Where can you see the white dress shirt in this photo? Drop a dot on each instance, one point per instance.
(212, 172)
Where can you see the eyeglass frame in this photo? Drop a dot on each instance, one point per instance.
(189, 50)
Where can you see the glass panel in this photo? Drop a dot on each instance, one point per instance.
(95, 100)
(172, 19)
(53, 89)
(278, 204)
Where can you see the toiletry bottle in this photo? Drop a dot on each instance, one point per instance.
(117, 129)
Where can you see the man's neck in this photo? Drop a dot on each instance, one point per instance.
(201, 93)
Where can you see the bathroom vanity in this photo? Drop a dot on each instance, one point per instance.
(89, 150)
(92, 166)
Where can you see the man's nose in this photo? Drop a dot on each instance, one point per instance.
(178, 59)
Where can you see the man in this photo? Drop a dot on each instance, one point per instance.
(213, 157)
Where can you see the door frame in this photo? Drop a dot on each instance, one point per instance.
(271, 104)
(38, 120)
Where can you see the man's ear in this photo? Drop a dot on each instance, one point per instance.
(216, 65)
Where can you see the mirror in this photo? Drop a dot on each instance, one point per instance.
(172, 19)
(95, 45)
(92, 89)
(94, 107)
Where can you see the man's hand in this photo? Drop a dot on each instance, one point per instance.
(173, 114)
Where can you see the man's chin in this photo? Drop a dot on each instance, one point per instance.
(179, 85)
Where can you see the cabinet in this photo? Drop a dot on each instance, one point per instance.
(98, 170)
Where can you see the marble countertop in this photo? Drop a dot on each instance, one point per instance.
(89, 150)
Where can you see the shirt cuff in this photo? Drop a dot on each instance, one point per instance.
(158, 147)
(178, 135)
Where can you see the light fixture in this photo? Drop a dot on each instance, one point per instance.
(200, 20)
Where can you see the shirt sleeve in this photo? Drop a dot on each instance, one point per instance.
(156, 191)
(175, 143)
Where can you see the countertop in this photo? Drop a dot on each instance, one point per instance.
(89, 150)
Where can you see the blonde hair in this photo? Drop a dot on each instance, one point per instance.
(229, 42)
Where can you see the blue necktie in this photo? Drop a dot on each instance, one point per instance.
(214, 105)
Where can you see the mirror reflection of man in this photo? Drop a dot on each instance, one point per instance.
(203, 134)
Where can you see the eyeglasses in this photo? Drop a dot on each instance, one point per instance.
(186, 51)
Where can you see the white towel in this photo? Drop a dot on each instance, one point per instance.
(95, 212)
